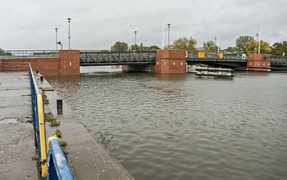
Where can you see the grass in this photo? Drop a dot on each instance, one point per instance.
(54, 124)
(46, 100)
(63, 143)
(49, 118)
(58, 133)
(29, 121)
(35, 158)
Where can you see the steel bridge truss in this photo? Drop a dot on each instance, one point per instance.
(90, 58)
(278, 60)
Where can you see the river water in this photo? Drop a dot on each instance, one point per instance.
(183, 127)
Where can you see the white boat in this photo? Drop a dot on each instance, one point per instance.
(214, 72)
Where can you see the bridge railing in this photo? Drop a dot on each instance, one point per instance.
(120, 58)
(13, 54)
(278, 60)
(216, 56)
(46, 170)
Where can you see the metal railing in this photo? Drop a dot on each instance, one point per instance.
(216, 56)
(14, 54)
(39, 125)
(278, 60)
(88, 58)
(57, 160)
(46, 171)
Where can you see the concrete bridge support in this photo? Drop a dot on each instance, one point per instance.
(170, 62)
(258, 62)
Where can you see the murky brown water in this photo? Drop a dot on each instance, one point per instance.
(183, 127)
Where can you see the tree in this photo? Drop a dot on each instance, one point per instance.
(231, 49)
(154, 48)
(210, 47)
(185, 44)
(253, 47)
(279, 49)
(119, 46)
(1, 51)
(242, 42)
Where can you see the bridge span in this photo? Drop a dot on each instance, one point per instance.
(96, 58)
(68, 62)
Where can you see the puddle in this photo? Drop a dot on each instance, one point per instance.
(8, 121)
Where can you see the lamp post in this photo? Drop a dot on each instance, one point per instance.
(69, 33)
(257, 35)
(218, 48)
(56, 39)
(259, 39)
(135, 40)
(168, 27)
(215, 38)
(130, 45)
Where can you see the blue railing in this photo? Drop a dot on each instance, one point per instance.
(58, 165)
(55, 166)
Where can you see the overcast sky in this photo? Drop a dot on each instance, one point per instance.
(98, 24)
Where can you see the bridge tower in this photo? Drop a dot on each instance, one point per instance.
(170, 62)
(258, 62)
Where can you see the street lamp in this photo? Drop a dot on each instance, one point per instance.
(215, 38)
(56, 39)
(135, 40)
(168, 27)
(257, 35)
(60, 43)
(69, 33)
(218, 48)
(259, 39)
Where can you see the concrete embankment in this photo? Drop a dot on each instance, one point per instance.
(17, 146)
(88, 158)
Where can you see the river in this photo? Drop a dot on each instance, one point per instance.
(183, 127)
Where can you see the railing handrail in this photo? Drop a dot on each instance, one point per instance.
(59, 160)
(44, 160)
(39, 124)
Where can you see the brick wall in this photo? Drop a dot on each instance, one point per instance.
(67, 64)
(258, 62)
(170, 62)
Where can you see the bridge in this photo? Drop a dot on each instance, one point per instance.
(68, 62)
(95, 58)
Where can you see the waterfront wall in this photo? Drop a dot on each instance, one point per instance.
(66, 64)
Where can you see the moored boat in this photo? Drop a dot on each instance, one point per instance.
(214, 72)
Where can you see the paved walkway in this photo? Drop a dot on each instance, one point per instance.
(16, 136)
